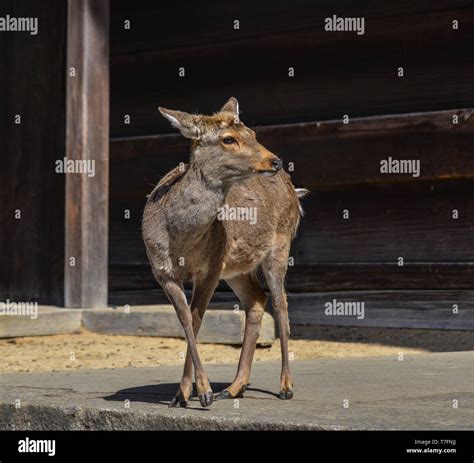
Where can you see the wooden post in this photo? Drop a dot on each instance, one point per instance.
(87, 139)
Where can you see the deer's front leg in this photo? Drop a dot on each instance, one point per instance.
(186, 384)
(202, 294)
(177, 297)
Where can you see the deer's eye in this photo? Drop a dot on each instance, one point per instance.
(229, 140)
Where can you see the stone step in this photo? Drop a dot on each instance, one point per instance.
(220, 326)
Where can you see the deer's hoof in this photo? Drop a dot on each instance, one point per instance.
(224, 394)
(206, 399)
(286, 395)
(178, 402)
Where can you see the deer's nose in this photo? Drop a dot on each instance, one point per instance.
(277, 164)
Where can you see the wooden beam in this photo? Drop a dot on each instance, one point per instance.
(87, 139)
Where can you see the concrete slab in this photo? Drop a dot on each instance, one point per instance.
(433, 391)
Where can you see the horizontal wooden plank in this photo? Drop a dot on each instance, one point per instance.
(335, 73)
(135, 284)
(413, 221)
(430, 309)
(215, 23)
(392, 309)
(219, 326)
(379, 276)
(328, 153)
(384, 224)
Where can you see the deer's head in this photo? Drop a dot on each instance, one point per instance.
(223, 147)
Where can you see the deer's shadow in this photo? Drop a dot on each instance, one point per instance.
(162, 394)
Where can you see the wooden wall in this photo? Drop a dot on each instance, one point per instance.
(300, 119)
(32, 85)
(336, 73)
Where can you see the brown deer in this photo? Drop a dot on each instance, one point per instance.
(185, 240)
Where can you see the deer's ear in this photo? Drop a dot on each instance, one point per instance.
(184, 122)
(232, 106)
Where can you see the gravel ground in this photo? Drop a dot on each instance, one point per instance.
(91, 350)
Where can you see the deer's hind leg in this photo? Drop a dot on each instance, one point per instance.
(274, 267)
(253, 299)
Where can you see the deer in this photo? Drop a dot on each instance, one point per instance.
(186, 242)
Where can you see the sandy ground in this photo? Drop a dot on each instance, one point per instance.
(90, 350)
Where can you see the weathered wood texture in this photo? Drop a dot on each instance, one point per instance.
(32, 86)
(391, 309)
(87, 138)
(50, 320)
(135, 283)
(336, 73)
(219, 326)
(428, 309)
(390, 216)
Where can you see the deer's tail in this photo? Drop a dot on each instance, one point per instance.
(301, 193)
